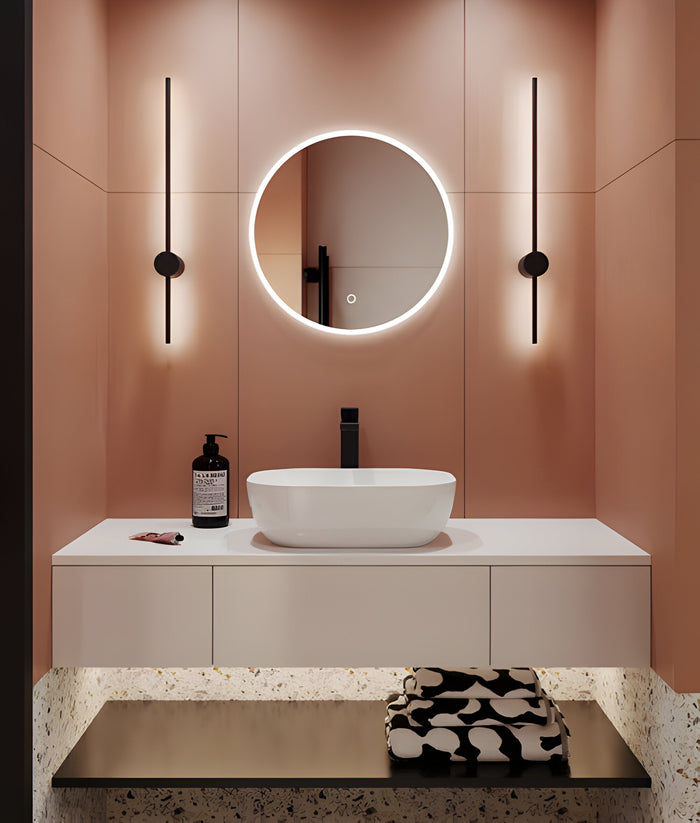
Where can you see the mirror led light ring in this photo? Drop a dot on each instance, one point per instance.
(448, 215)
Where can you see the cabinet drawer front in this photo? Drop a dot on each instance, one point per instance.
(132, 616)
(351, 616)
(570, 615)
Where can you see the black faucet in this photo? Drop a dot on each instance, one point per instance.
(349, 438)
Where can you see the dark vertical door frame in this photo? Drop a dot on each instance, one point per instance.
(16, 387)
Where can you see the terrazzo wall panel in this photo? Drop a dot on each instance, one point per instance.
(660, 726)
(65, 702)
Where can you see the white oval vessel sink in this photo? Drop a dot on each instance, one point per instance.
(351, 508)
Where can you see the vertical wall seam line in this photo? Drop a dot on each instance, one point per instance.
(490, 617)
(238, 262)
(464, 260)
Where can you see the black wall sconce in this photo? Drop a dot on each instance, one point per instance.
(167, 263)
(535, 263)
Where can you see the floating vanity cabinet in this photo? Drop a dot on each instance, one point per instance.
(351, 615)
(570, 615)
(499, 592)
(132, 615)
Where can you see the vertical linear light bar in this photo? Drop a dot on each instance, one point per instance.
(536, 263)
(167, 263)
(534, 203)
(167, 205)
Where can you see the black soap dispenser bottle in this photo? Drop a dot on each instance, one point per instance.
(210, 486)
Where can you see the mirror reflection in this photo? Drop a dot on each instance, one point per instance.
(351, 232)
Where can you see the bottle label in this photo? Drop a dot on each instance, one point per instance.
(209, 494)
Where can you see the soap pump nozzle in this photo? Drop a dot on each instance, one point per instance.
(211, 446)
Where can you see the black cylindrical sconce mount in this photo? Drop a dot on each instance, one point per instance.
(167, 263)
(535, 263)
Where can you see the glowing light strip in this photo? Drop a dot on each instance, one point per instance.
(448, 214)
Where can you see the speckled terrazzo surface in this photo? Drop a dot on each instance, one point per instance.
(662, 728)
(65, 701)
(409, 805)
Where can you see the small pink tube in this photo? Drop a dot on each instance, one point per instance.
(171, 538)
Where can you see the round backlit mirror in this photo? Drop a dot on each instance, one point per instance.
(351, 232)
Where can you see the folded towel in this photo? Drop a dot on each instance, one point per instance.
(481, 684)
(453, 711)
(472, 744)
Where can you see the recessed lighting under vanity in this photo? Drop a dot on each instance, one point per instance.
(493, 592)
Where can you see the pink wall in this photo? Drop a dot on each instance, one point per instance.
(684, 635)
(299, 83)
(635, 375)
(458, 387)
(647, 297)
(635, 96)
(163, 399)
(70, 287)
(529, 409)
(521, 417)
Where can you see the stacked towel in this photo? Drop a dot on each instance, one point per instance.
(475, 715)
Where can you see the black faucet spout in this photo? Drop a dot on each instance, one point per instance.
(349, 438)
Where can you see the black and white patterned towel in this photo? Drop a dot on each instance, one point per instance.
(482, 684)
(476, 744)
(469, 711)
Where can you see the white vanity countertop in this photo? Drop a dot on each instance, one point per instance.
(464, 542)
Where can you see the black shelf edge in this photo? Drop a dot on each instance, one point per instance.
(314, 744)
(353, 783)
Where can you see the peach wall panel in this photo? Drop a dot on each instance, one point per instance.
(408, 383)
(311, 66)
(397, 67)
(529, 408)
(279, 223)
(164, 398)
(687, 560)
(687, 69)
(70, 84)
(636, 377)
(196, 44)
(70, 372)
(635, 88)
(507, 43)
